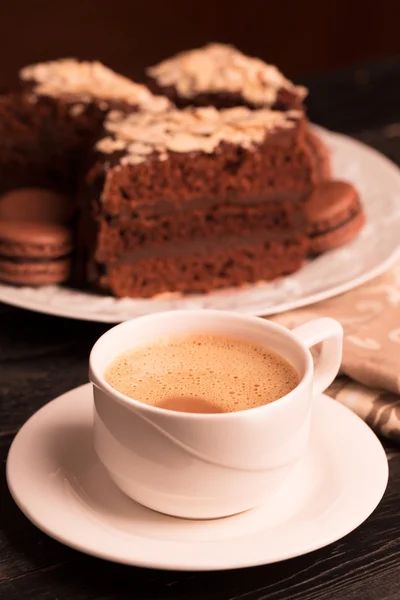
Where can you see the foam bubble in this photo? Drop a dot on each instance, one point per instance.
(202, 373)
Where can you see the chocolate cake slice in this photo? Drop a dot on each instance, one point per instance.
(48, 124)
(195, 200)
(220, 75)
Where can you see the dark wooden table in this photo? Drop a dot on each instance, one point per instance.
(42, 357)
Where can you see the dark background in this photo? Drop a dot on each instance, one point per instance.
(303, 37)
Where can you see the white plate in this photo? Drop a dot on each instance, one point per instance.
(58, 482)
(378, 181)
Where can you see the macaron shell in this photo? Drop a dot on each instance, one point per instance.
(32, 240)
(35, 273)
(36, 204)
(344, 234)
(29, 250)
(335, 215)
(329, 200)
(333, 218)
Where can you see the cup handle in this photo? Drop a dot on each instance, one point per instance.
(330, 333)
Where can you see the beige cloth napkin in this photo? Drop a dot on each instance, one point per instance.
(370, 374)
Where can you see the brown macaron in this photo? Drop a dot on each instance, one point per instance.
(335, 215)
(38, 205)
(34, 253)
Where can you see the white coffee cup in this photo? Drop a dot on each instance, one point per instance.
(208, 465)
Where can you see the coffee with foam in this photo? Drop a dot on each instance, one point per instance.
(202, 374)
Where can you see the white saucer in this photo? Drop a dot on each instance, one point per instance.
(335, 272)
(58, 482)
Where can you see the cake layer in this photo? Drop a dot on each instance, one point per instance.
(117, 238)
(179, 156)
(232, 264)
(280, 168)
(220, 75)
(196, 183)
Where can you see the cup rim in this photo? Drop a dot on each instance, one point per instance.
(98, 380)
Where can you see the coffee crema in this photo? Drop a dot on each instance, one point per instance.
(202, 374)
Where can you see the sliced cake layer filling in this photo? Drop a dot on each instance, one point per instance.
(218, 268)
(118, 236)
